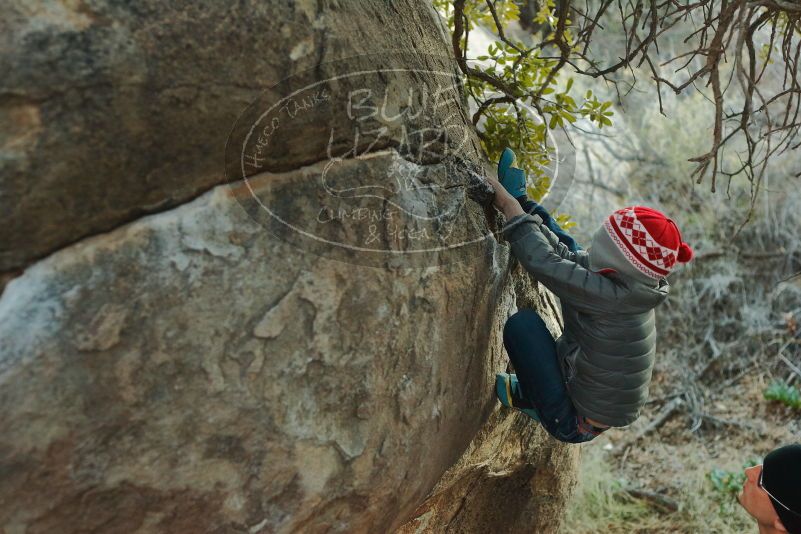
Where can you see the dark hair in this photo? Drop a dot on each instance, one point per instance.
(781, 472)
(791, 522)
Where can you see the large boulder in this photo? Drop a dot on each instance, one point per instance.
(190, 372)
(306, 349)
(111, 110)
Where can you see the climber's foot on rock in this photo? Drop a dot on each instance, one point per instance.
(507, 388)
(503, 389)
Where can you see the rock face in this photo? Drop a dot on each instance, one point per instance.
(513, 477)
(112, 110)
(189, 367)
(202, 369)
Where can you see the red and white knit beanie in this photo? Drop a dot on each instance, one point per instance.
(650, 241)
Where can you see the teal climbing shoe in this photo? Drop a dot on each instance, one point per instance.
(511, 178)
(507, 388)
(531, 413)
(503, 389)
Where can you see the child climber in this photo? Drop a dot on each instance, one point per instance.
(596, 374)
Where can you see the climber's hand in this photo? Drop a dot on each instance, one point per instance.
(502, 200)
(502, 196)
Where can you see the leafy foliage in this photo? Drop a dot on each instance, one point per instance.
(783, 393)
(478, 13)
(727, 485)
(518, 95)
(756, 117)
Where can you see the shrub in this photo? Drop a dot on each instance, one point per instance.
(783, 393)
(729, 483)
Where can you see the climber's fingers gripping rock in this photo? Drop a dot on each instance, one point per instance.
(502, 197)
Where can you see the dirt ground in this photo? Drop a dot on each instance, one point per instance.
(676, 459)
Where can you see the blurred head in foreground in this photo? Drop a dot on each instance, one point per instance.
(772, 491)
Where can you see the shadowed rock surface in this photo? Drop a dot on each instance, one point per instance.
(513, 477)
(191, 371)
(191, 361)
(112, 110)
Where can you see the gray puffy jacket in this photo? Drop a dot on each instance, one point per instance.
(608, 345)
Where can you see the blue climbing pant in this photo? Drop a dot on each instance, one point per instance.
(532, 350)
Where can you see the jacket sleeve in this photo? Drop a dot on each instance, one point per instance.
(558, 268)
(550, 223)
(555, 243)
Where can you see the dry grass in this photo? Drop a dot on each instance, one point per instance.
(600, 505)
